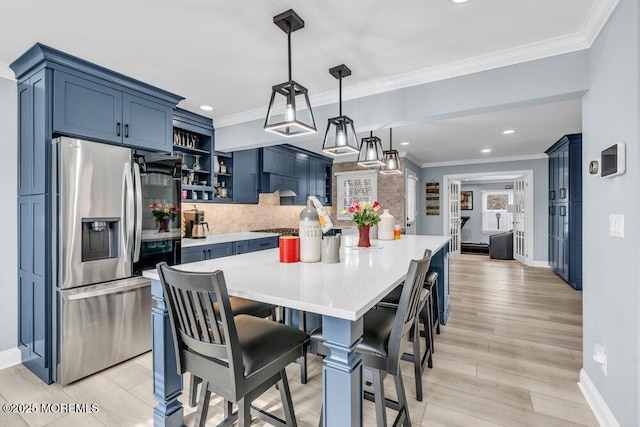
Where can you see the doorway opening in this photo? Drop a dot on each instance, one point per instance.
(486, 207)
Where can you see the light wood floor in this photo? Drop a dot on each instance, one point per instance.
(510, 355)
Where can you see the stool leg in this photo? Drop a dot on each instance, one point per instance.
(378, 390)
(428, 336)
(417, 368)
(436, 307)
(285, 396)
(203, 405)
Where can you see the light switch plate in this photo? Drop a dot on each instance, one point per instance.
(616, 225)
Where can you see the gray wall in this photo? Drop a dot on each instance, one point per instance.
(550, 79)
(610, 266)
(433, 224)
(8, 200)
(472, 231)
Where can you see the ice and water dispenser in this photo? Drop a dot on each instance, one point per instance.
(100, 238)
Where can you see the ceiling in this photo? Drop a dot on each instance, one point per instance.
(229, 54)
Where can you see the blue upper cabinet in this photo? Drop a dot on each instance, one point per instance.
(92, 102)
(87, 109)
(147, 124)
(246, 176)
(279, 160)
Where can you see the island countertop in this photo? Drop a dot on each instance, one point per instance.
(344, 290)
(226, 238)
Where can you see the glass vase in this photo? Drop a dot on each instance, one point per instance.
(364, 241)
(163, 225)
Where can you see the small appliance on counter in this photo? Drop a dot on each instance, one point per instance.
(195, 224)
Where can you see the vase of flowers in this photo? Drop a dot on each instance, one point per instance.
(365, 215)
(164, 212)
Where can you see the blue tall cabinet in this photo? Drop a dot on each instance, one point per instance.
(565, 208)
(59, 94)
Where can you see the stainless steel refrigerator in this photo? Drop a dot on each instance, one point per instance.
(106, 235)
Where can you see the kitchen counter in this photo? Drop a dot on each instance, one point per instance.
(226, 238)
(342, 293)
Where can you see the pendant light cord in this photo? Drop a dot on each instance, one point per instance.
(289, 45)
(340, 91)
(390, 139)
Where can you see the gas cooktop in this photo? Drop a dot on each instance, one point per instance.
(281, 231)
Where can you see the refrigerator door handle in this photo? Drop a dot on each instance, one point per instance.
(138, 214)
(128, 211)
(122, 287)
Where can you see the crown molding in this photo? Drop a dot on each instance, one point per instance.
(6, 72)
(486, 160)
(597, 17)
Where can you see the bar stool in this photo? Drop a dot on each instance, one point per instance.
(238, 306)
(391, 302)
(431, 282)
(238, 357)
(384, 335)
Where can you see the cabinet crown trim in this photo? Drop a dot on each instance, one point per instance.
(40, 54)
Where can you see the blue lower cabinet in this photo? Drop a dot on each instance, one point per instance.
(242, 247)
(262, 244)
(193, 254)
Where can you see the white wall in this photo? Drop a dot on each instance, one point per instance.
(9, 216)
(610, 265)
(472, 230)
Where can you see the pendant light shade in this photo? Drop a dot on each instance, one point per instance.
(340, 137)
(289, 112)
(391, 158)
(370, 154)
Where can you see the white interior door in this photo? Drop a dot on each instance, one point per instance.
(454, 217)
(411, 198)
(520, 220)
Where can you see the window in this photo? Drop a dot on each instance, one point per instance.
(495, 210)
(412, 189)
(361, 186)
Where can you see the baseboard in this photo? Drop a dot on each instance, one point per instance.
(541, 264)
(597, 404)
(10, 358)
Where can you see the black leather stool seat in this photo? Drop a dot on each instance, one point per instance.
(247, 306)
(375, 335)
(262, 341)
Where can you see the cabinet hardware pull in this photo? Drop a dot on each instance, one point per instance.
(118, 129)
(563, 211)
(552, 194)
(563, 193)
(126, 131)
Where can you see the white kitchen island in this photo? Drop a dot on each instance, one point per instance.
(341, 293)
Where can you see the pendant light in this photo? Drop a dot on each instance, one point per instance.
(344, 136)
(289, 112)
(370, 154)
(391, 158)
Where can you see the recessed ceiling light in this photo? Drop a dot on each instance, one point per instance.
(486, 150)
(206, 107)
(459, 1)
(508, 131)
(404, 143)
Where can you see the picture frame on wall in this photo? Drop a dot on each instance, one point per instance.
(466, 200)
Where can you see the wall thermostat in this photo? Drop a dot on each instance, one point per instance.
(612, 160)
(594, 167)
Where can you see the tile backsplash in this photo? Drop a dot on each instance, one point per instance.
(233, 218)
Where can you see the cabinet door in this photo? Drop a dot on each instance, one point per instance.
(302, 175)
(193, 254)
(245, 176)
(34, 296)
(262, 244)
(563, 174)
(242, 247)
(84, 108)
(269, 160)
(220, 250)
(147, 124)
